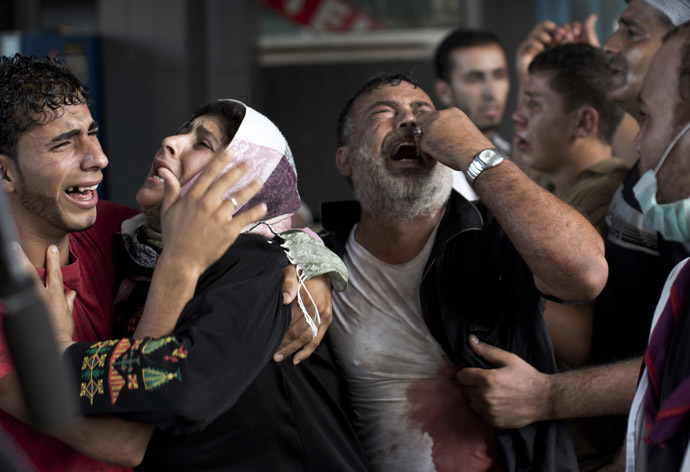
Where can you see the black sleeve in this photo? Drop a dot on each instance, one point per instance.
(226, 334)
(504, 254)
(521, 329)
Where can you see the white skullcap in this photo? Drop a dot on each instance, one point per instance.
(678, 11)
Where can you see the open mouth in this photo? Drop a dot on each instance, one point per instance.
(406, 151)
(156, 176)
(520, 142)
(82, 194)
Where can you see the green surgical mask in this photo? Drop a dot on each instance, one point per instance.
(672, 220)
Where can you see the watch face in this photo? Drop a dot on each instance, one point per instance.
(490, 157)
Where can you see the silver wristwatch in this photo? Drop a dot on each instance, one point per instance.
(485, 159)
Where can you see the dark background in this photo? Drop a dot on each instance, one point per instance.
(159, 59)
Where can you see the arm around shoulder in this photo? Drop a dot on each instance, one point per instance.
(109, 439)
(308, 282)
(514, 394)
(595, 391)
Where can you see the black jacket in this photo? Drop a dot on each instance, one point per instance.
(218, 400)
(476, 282)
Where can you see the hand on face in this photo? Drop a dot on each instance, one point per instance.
(199, 226)
(450, 137)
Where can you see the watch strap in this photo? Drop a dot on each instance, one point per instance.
(477, 166)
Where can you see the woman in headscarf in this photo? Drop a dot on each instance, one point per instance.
(210, 388)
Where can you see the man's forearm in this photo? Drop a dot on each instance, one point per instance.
(563, 250)
(596, 391)
(108, 439)
(515, 394)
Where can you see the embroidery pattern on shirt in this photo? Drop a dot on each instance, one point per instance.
(155, 344)
(93, 369)
(115, 380)
(120, 363)
(156, 378)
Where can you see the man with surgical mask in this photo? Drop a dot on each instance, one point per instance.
(670, 219)
(640, 258)
(658, 427)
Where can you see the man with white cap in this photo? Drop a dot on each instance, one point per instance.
(638, 256)
(636, 252)
(658, 428)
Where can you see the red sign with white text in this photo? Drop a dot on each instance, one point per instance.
(324, 15)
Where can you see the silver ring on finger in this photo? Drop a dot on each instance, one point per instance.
(417, 132)
(233, 201)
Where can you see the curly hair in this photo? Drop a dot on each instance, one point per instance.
(33, 92)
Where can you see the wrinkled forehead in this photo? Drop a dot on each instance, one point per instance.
(403, 93)
(59, 115)
(52, 122)
(260, 141)
(643, 13)
(209, 123)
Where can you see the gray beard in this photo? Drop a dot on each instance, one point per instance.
(406, 196)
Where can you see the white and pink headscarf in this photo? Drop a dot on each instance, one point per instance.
(259, 140)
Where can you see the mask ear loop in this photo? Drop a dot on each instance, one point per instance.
(316, 320)
(671, 146)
